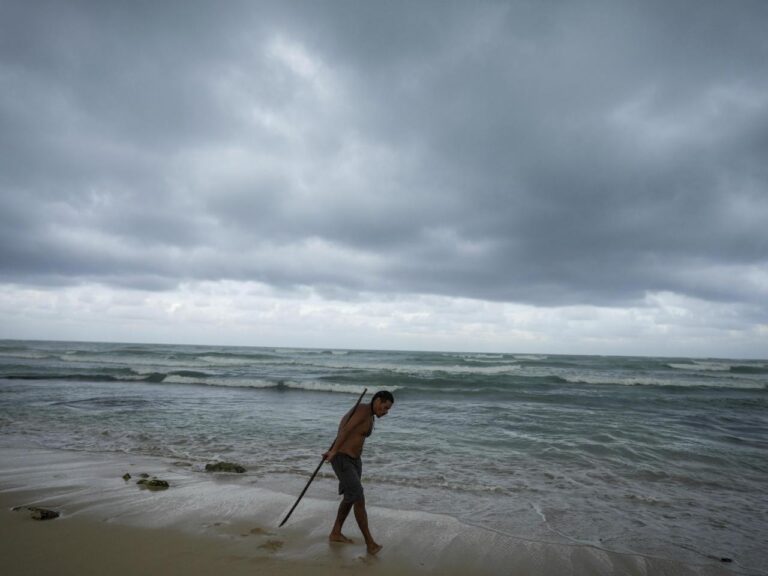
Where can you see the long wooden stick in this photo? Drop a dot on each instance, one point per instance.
(321, 463)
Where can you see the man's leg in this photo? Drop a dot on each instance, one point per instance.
(361, 515)
(341, 516)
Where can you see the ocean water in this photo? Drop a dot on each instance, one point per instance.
(664, 457)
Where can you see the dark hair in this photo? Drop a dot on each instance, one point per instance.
(385, 396)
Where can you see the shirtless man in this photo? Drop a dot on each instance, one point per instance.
(344, 456)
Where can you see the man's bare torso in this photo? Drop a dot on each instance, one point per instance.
(353, 444)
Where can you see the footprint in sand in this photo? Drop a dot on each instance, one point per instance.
(369, 559)
(272, 545)
(257, 532)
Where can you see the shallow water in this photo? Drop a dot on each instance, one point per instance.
(658, 456)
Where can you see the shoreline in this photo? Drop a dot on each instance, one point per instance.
(206, 522)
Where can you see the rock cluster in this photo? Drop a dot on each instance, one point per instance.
(146, 482)
(153, 484)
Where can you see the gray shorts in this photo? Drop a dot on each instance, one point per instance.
(349, 471)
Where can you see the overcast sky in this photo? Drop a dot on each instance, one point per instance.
(522, 176)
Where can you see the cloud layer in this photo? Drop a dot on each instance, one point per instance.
(542, 154)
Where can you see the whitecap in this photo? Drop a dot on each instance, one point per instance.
(702, 366)
(315, 386)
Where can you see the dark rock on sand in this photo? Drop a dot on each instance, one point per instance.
(224, 467)
(39, 513)
(153, 484)
(43, 514)
(126, 477)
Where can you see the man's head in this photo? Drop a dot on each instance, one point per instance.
(381, 403)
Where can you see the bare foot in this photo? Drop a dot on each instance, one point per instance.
(340, 538)
(374, 548)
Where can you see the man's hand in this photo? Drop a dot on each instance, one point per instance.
(328, 456)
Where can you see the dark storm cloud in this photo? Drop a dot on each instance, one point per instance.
(549, 153)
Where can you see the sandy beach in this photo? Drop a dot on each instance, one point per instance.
(110, 524)
(208, 524)
(89, 546)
